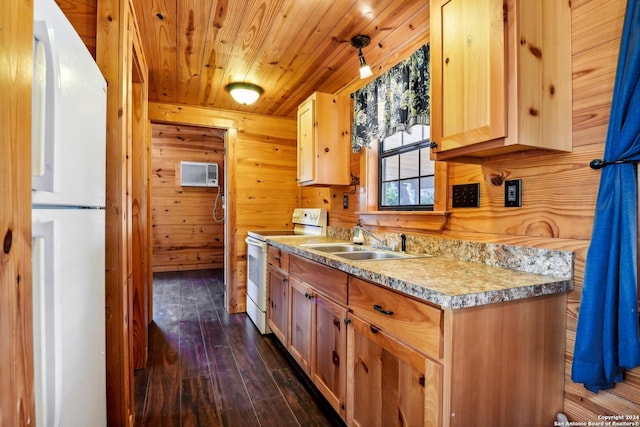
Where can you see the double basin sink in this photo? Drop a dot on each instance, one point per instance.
(355, 252)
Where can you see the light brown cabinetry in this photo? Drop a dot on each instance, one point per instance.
(405, 318)
(324, 140)
(278, 291)
(500, 77)
(315, 297)
(500, 363)
(318, 332)
(329, 365)
(389, 383)
(278, 310)
(392, 381)
(300, 336)
(397, 360)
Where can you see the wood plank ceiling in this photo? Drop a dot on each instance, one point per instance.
(290, 48)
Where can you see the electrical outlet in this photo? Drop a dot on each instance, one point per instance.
(466, 196)
(513, 193)
(345, 202)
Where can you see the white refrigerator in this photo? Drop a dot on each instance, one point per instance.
(68, 242)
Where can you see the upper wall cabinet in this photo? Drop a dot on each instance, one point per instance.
(500, 77)
(324, 140)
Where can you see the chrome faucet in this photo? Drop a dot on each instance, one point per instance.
(380, 243)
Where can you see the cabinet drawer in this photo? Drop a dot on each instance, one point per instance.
(278, 258)
(415, 323)
(327, 280)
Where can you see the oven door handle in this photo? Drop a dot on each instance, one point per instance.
(254, 242)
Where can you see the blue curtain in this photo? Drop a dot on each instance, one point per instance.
(607, 339)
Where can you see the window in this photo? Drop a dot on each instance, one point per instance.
(392, 113)
(406, 172)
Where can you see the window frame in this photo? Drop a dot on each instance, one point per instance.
(415, 146)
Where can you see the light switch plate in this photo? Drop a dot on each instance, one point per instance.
(513, 193)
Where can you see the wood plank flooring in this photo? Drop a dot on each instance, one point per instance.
(207, 367)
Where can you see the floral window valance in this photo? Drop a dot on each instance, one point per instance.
(393, 102)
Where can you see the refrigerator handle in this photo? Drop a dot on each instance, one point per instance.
(46, 325)
(46, 89)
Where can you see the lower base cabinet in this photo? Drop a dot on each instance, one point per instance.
(300, 336)
(329, 349)
(389, 384)
(386, 359)
(278, 305)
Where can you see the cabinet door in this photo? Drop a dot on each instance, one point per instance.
(278, 307)
(306, 141)
(329, 351)
(468, 72)
(389, 384)
(301, 300)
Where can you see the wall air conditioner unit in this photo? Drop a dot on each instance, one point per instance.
(198, 174)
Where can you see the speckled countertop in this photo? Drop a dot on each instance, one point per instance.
(446, 282)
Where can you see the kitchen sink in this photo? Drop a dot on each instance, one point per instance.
(373, 255)
(359, 253)
(335, 247)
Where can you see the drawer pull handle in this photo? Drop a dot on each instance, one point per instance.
(377, 307)
(277, 258)
(373, 329)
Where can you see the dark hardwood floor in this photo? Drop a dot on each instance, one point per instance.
(207, 367)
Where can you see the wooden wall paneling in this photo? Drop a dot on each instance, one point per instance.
(117, 37)
(254, 142)
(345, 217)
(82, 15)
(234, 263)
(559, 190)
(140, 204)
(149, 220)
(17, 407)
(186, 236)
(557, 195)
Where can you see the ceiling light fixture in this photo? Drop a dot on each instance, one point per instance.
(359, 42)
(244, 93)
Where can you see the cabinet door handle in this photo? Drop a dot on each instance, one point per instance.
(277, 258)
(377, 307)
(373, 329)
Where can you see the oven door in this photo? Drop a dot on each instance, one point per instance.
(257, 272)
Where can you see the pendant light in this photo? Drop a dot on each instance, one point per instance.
(244, 93)
(359, 42)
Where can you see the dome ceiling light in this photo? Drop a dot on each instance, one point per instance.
(244, 93)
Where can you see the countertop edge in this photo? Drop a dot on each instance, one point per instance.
(547, 286)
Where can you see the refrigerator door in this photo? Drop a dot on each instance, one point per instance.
(69, 316)
(69, 115)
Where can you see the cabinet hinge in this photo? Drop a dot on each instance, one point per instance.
(421, 381)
